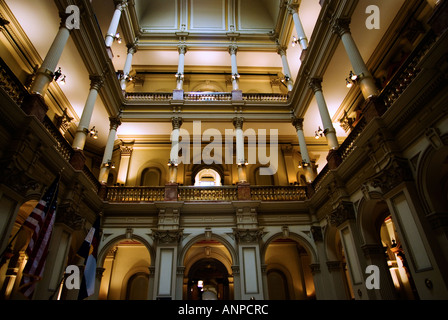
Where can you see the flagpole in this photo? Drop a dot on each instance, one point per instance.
(21, 226)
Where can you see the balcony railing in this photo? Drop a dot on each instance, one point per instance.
(278, 193)
(206, 96)
(224, 193)
(135, 194)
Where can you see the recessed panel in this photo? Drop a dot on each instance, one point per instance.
(157, 14)
(208, 15)
(257, 15)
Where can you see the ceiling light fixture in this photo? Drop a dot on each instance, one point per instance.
(172, 163)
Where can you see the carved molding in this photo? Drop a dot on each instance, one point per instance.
(345, 211)
(68, 214)
(167, 236)
(396, 172)
(248, 235)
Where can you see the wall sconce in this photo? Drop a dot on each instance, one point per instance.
(296, 41)
(235, 76)
(172, 163)
(179, 76)
(245, 164)
(93, 133)
(117, 38)
(110, 164)
(303, 164)
(319, 133)
(59, 77)
(352, 79)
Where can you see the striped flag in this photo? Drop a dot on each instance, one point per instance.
(89, 251)
(40, 222)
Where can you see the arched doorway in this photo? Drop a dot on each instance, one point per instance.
(208, 271)
(126, 272)
(208, 279)
(288, 273)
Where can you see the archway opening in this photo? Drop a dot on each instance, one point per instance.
(397, 262)
(15, 257)
(208, 279)
(207, 178)
(126, 272)
(208, 268)
(288, 273)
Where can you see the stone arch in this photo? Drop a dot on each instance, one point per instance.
(128, 277)
(300, 239)
(371, 215)
(432, 177)
(156, 165)
(288, 279)
(254, 169)
(195, 169)
(198, 238)
(112, 242)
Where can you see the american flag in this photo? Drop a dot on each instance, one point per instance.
(40, 222)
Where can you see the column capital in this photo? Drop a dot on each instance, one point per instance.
(126, 151)
(177, 122)
(233, 49)
(341, 26)
(298, 123)
(316, 84)
(281, 50)
(293, 8)
(182, 49)
(238, 122)
(132, 48)
(115, 122)
(96, 82)
(121, 4)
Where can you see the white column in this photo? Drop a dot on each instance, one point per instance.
(128, 65)
(240, 158)
(293, 9)
(233, 50)
(282, 52)
(181, 67)
(298, 124)
(174, 154)
(330, 131)
(44, 75)
(365, 79)
(115, 122)
(126, 152)
(83, 127)
(114, 23)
